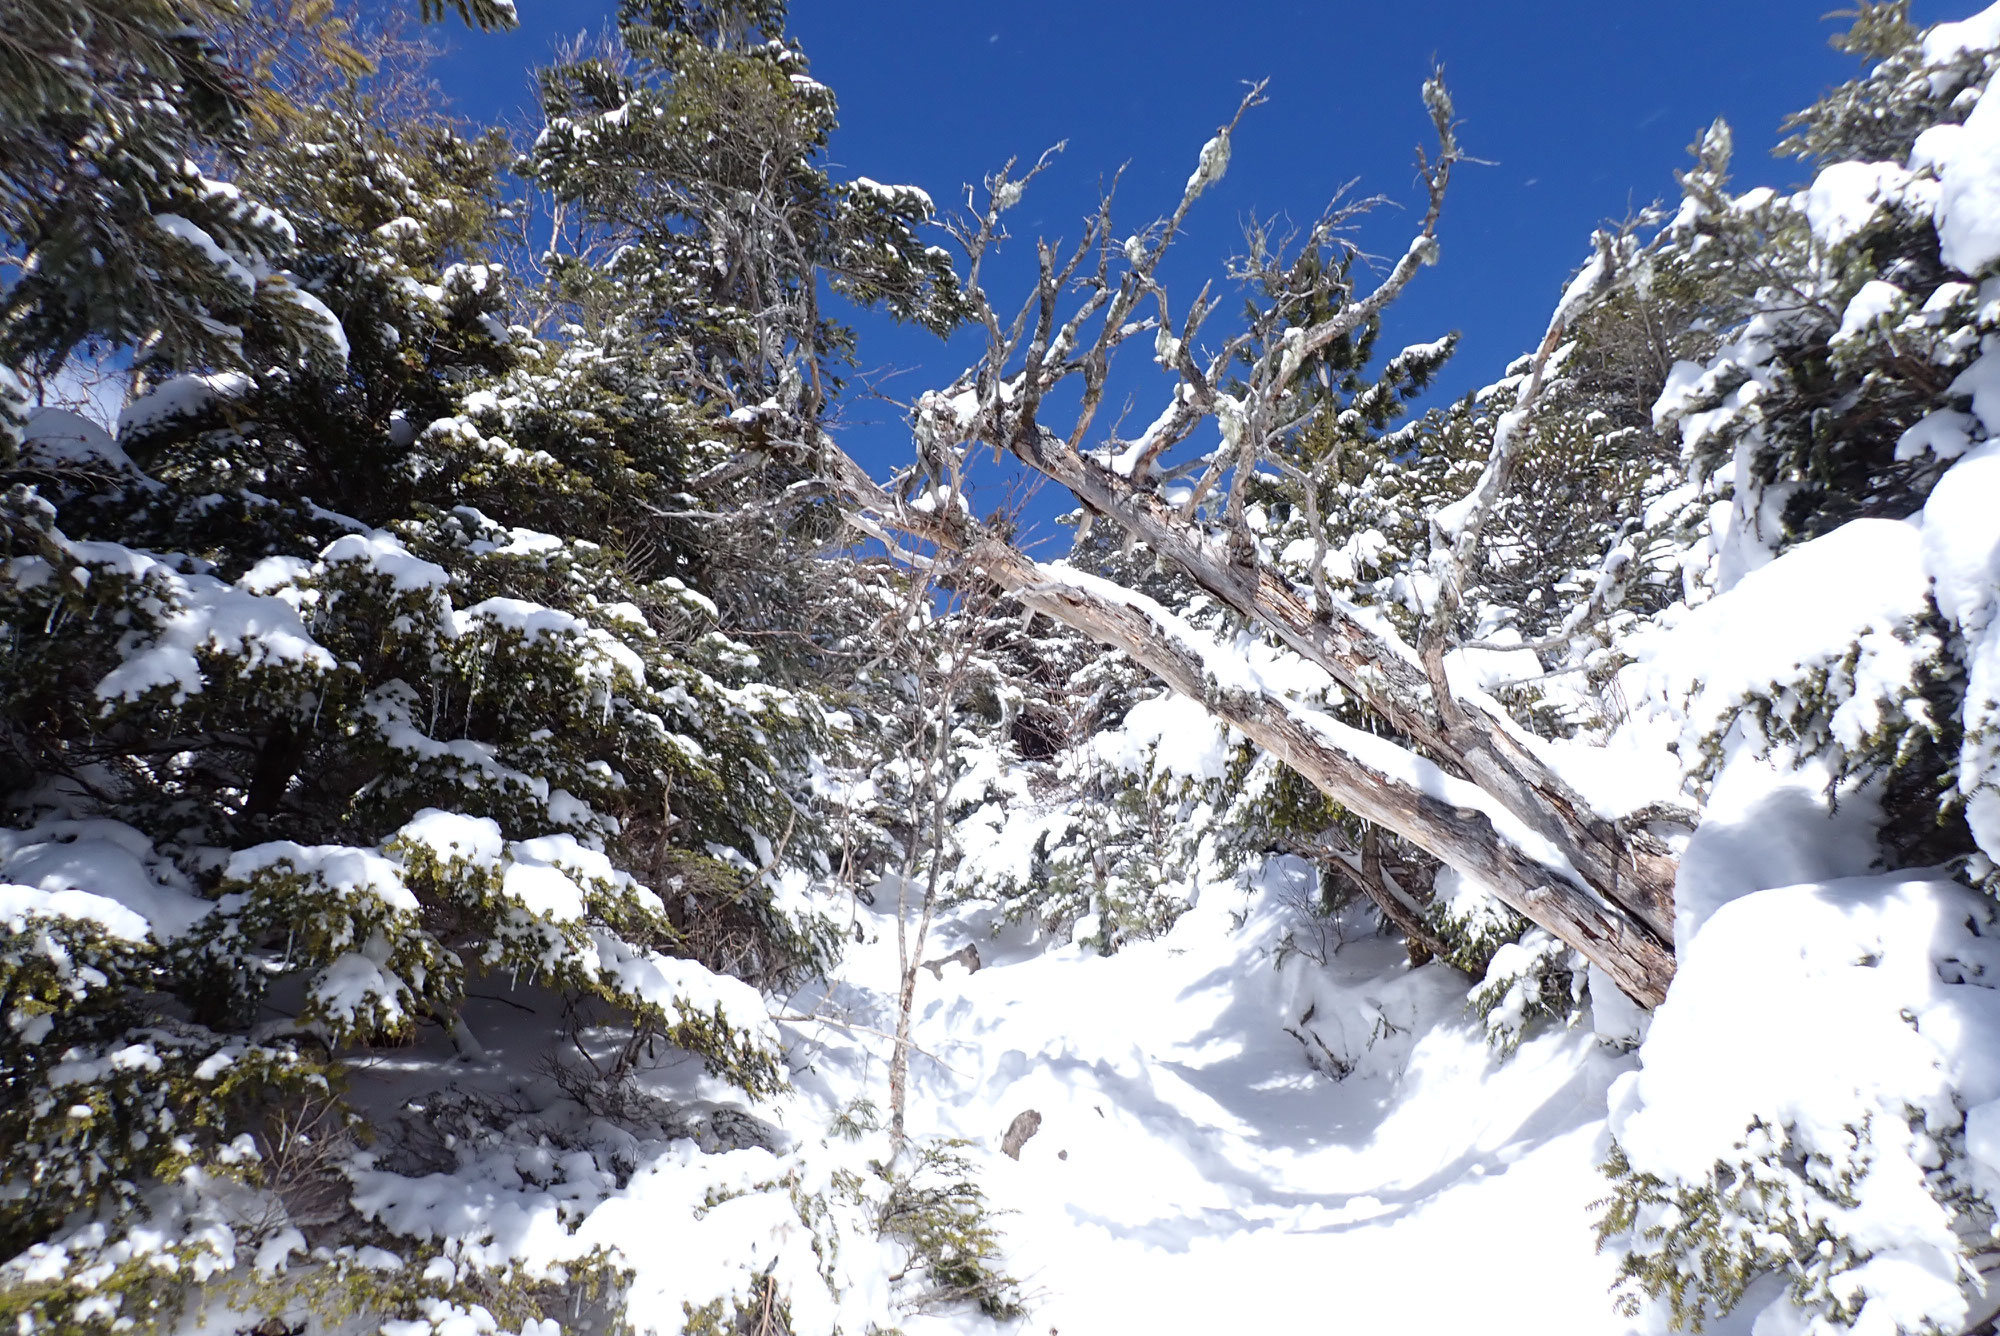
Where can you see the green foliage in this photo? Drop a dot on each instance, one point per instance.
(691, 153)
(107, 107)
(938, 1211)
(1122, 860)
(442, 632)
(103, 1098)
(477, 13)
(1698, 1246)
(1706, 1243)
(768, 1314)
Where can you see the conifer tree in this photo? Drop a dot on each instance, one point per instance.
(394, 648)
(1829, 395)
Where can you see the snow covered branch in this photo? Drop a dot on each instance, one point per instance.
(1393, 786)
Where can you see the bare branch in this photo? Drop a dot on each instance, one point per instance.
(1393, 787)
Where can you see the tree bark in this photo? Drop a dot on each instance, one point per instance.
(1445, 817)
(1631, 869)
(1455, 832)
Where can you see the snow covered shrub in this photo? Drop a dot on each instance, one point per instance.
(1063, 808)
(1804, 1111)
(1103, 844)
(1830, 1173)
(1852, 380)
(1535, 977)
(1523, 974)
(1871, 681)
(391, 663)
(936, 1209)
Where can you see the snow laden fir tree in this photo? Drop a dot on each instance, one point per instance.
(511, 829)
(387, 658)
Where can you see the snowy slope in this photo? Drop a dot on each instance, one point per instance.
(1195, 1172)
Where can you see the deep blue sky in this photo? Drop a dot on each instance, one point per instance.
(1585, 108)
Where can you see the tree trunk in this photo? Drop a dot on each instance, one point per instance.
(1446, 820)
(1631, 869)
(1613, 900)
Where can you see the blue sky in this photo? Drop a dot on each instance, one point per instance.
(1584, 108)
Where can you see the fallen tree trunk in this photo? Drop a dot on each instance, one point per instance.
(1452, 819)
(1631, 868)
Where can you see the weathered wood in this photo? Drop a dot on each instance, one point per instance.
(1464, 837)
(1635, 954)
(1633, 870)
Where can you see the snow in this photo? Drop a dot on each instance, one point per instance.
(1945, 433)
(355, 991)
(1265, 1118)
(206, 616)
(350, 873)
(1172, 732)
(1579, 290)
(1981, 382)
(1190, 1151)
(1831, 967)
(1450, 519)
(452, 835)
(231, 270)
(692, 1222)
(1397, 763)
(99, 870)
(1947, 41)
(1247, 665)
(1824, 1014)
(1845, 197)
(897, 195)
(681, 986)
(1961, 547)
(541, 874)
(181, 397)
(56, 436)
(1485, 669)
(1214, 161)
(1874, 300)
(544, 891)
(534, 621)
(1226, 665)
(385, 556)
(1776, 625)
(20, 903)
(317, 315)
(1807, 1012)
(563, 851)
(1966, 159)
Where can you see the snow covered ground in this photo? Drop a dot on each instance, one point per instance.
(1201, 1166)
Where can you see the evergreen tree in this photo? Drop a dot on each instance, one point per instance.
(393, 645)
(1827, 394)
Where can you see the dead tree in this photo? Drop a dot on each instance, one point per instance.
(1469, 789)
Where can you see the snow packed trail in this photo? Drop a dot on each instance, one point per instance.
(1201, 1163)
